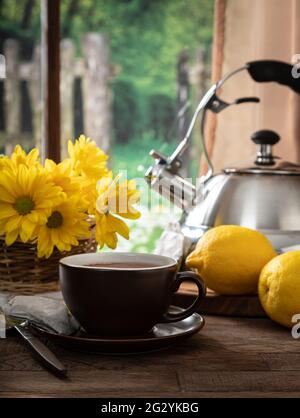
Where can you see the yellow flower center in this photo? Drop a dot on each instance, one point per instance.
(55, 220)
(24, 205)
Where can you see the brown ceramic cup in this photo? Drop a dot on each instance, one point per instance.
(120, 301)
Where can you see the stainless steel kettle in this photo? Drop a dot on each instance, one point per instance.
(263, 194)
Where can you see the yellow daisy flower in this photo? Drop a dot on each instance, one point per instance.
(60, 174)
(117, 197)
(89, 192)
(65, 225)
(19, 156)
(107, 228)
(115, 200)
(4, 162)
(87, 159)
(26, 199)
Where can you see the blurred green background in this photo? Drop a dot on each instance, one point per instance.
(145, 38)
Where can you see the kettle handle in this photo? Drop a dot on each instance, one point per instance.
(210, 167)
(264, 71)
(260, 71)
(202, 107)
(210, 101)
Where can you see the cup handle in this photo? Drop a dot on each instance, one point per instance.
(180, 278)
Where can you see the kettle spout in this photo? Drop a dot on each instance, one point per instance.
(171, 185)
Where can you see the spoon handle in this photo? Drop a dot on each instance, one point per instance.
(44, 354)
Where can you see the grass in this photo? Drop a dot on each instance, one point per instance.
(134, 157)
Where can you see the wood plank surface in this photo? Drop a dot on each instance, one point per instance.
(230, 357)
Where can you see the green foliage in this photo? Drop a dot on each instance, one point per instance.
(146, 37)
(135, 115)
(161, 115)
(20, 19)
(125, 111)
(147, 244)
(134, 157)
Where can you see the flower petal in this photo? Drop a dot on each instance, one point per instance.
(6, 196)
(13, 223)
(11, 237)
(27, 230)
(7, 210)
(111, 240)
(119, 226)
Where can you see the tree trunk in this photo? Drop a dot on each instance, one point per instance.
(71, 12)
(27, 14)
(1, 8)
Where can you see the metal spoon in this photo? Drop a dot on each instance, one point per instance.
(49, 360)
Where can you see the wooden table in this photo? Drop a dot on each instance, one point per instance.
(230, 357)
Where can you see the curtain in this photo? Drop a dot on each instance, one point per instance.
(246, 31)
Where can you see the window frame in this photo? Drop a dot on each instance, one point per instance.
(50, 79)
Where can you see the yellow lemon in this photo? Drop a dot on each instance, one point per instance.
(279, 288)
(229, 258)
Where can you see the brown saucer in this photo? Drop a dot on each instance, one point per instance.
(162, 336)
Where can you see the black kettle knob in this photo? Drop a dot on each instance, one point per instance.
(265, 137)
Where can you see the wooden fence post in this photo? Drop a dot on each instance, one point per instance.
(96, 92)
(12, 94)
(34, 83)
(198, 75)
(182, 106)
(67, 76)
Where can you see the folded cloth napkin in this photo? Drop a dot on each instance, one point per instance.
(47, 309)
(172, 243)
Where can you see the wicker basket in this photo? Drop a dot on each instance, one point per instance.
(22, 272)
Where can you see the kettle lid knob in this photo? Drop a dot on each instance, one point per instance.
(265, 137)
